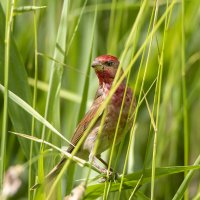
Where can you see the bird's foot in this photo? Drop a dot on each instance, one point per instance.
(108, 176)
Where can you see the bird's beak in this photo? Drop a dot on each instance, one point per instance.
(96, 64)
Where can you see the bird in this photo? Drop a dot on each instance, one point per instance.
(105, 67)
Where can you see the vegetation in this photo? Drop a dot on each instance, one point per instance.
(46, 84)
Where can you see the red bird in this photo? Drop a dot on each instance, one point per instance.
(105, 67)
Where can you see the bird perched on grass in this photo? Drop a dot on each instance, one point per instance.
(105, 67)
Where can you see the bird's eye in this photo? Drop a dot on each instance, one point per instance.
(109, 63)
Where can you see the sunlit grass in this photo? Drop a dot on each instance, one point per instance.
(46, 56)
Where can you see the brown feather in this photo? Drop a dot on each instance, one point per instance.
(84, 123)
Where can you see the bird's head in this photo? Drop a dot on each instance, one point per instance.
(105, 67)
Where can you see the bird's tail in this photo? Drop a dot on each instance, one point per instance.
(52, 174)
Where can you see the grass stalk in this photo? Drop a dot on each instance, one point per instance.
(9, 17)
(184, 90)
(184, 185)
(34, 98)
(55, 82)
(156, 128)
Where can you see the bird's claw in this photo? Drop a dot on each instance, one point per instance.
(109, 176)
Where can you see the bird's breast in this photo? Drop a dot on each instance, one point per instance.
(120, 107)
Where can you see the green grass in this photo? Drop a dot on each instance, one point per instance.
(46, 84)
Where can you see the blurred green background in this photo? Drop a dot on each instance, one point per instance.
(58, 43)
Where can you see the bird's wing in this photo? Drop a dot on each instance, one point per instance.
(82, 126)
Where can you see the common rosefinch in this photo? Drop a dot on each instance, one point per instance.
(105, 67)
